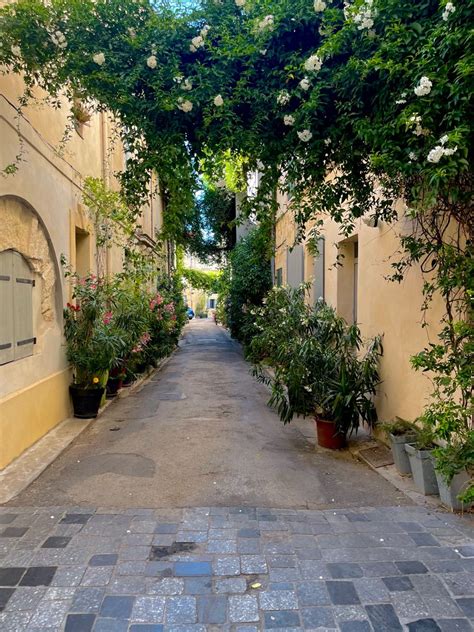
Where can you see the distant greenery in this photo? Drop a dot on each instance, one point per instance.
(245, 282)
(205, 280)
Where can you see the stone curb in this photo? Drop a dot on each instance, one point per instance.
(33, 462)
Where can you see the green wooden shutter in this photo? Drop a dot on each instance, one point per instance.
(318, 272)
(22, 307)
(6, 307)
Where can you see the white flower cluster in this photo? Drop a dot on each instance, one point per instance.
(448, 9)
(415, 120)
(440, 150)
(184, 105)
(364, 18)
(99, 58)
(268, 22)
(289, 120)
(305, 135)
(423, 88)
(218, 101)
(16, 50)
(240, 3)
(151, 62)
(283, 97)
(199, 41)
(132, 32)
(305, 83)
(187, 84)
(319, 6)
(58, 39)
(412, 156)
(313, 63)
(402, 99)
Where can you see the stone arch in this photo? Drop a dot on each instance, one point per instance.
(24, 231)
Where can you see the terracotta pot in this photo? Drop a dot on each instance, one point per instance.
(86, 401)
(327, 438)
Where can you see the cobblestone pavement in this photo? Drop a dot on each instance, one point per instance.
(235, 569)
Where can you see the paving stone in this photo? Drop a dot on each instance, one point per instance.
(181, 609)
(423, 625)
(231, 585)
(342, 593)
(134, 553)
(317, 618)
(467, 606)
(344, 570)
(13, 532)
(109, 559)
(11, 576)
(148, 609)
(247, 546)
(222, 546)
(398, 584)
(14, 621)
(192, 569)
(103, 624)
(411, 567)
(60, 593)
(371, 590)
(5, 596)
(454, 625)
(441, 606)
(249, 533)
(198, 585)
(229, 565)
(281, 619)
(355, 626)
(25, 598)
(74, 518)
(167, 586)
(56, 542)
(132, 568)
(97, 576)
(278, 600)
(212, 609)
(7, 518)
(38, 576)
(281, 561)
(243, 608)
(424, 539)
(313, 594)
(167, 528)
(87, 600)
(467, 550)
(49, 614)
(127, 585)
(117, 607)
(140, 627)
(253, 564)
(68, 576)
(79, 622)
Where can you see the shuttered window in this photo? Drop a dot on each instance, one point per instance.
(295, 266)
(16, 307)
(318, 272)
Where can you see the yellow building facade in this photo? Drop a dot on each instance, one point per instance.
(351, 275)
(42, 218)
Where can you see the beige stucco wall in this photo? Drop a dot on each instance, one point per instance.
(383, 307)
(40, 211)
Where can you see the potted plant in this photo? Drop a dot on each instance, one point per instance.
(454, 467)
(91, 345)
(400, 432)
(419, 454)
(319, 364)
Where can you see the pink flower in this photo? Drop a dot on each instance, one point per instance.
(145, 339)
(169, 307)
(107, 318)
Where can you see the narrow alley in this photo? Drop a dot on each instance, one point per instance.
(187, 506)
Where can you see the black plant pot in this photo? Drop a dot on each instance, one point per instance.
(113, 386)
(86, 401)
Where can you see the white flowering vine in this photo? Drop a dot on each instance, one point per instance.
(319, 6)
(185, 105)
(423, 88)
(151, 62)
(131, 32)
(240, 3)
(58, 39)
(267, 23)
(99, 59)
(305, 135)
(365, 15)
(313, 63)
(218, 101)
(187, 84)
(16, 50)
(289, 120)
(448, 9)
(441, 150)
(415, 122)
(283, 97)
(305, 83)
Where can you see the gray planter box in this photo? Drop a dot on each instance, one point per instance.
(448, 493)
(423, 470)
(400, 456)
